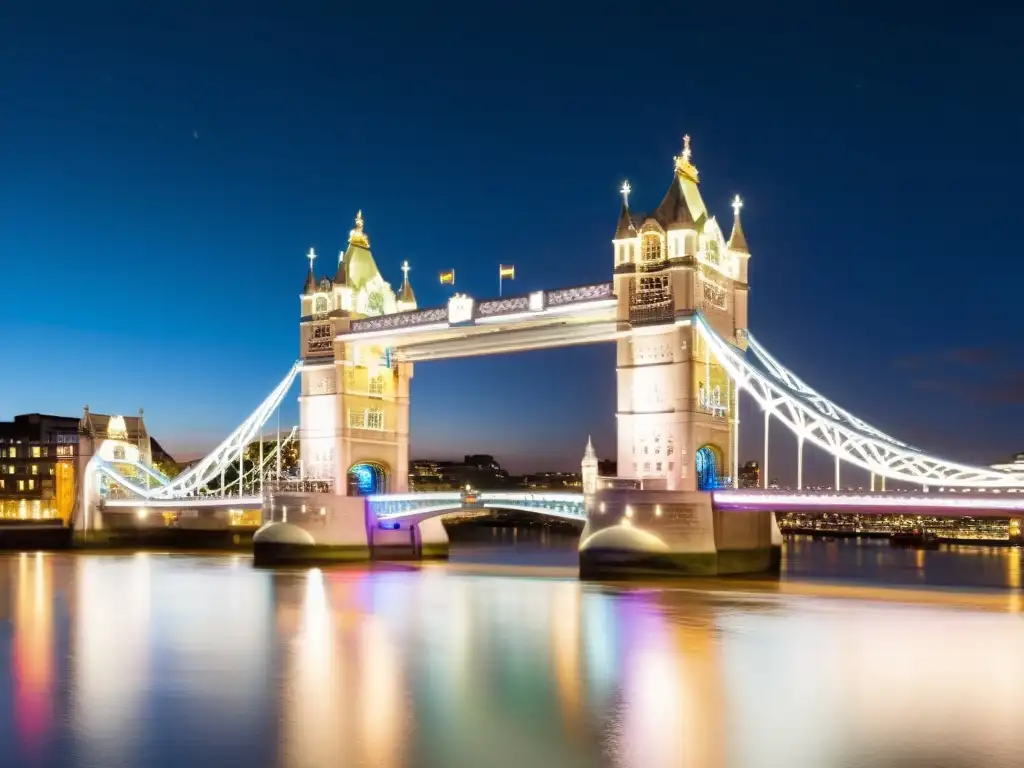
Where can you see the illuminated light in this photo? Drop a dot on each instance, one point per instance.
(323, 511)
(601, 507)
(624, 191)
(536, 301)
(303, 509)
(142, 514)
(775, 499)
(629, 511)
(657, 510)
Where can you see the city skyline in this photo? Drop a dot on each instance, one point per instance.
(176, 193)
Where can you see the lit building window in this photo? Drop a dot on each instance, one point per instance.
(35, 469)
(51, 470)
(46, 451)
(21, 485)
(377, 385)
(10, 469)
(36, 452)
(31, 484)
(375, 419)
(3, 483)
(357, 419)
(652, 247)
(12, 452)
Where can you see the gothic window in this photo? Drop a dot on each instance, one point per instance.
(652, 248)
(375, 418)
(320, 306)
(377, 386)
(357, 419)
(712, 251)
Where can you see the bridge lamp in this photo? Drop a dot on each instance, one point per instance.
(142, 514)
(657, 510)
(323, 511)
(303, 509)
(601, 507)
(629, 512)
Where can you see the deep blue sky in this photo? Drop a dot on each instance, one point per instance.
(165, 168)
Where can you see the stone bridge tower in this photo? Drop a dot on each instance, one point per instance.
(354, 403)
(676, 409)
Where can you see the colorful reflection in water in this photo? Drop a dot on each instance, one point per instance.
(159, 660)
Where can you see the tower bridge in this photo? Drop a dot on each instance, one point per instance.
(676, 309)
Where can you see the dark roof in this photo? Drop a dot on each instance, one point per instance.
(310, 286)
(627, 224)
(341, 276)
(737, 240)
(674, 212)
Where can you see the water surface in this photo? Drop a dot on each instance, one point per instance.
(503, 658)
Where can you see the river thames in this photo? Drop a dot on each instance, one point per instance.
(858, 655)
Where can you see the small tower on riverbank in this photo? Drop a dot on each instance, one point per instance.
(588, 469)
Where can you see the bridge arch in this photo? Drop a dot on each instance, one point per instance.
(367, 478)
(708, 463)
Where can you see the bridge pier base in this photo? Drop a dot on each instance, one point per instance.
(312, 528)
(632, 534)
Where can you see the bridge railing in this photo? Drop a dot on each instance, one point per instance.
(300, 485)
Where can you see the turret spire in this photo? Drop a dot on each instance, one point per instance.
(340, 278)
(682, 162)
(589, 453)
(625, 228)
(357, 236)
(737, 240)
(406, 296)
(310, 286)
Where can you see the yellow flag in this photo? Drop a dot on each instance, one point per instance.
(448, 278)
(507, 271)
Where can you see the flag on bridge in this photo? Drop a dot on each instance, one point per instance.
(448, 278)
(505, 272)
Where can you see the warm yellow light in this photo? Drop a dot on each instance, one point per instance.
(657, 510)
(629, 511)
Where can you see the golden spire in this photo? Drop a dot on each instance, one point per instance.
(357, 236)
(683, 165)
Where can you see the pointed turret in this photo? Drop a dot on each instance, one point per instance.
(588, 469)
(310, 286)
(340, 277)
(737, 240)
(406, 298)
(682, 207)
(626, 227)
(359, 264)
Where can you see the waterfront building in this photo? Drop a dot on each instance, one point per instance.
(750, 475)
(38, 454)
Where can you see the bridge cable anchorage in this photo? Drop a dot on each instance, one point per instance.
(835, 430)
(192, 483)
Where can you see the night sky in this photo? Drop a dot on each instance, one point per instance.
(165, 169)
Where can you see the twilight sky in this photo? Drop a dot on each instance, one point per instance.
(165, 169)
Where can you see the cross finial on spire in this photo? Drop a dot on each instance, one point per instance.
(405, 270)
(737, 203)
(311, 255)
(625, 190)
(359, 219)
(686, 147)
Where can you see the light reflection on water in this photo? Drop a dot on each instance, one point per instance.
(160, 660)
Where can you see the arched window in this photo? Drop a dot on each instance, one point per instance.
(321, 306)
(652, 247)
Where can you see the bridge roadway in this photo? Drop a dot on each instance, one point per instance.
(570, 506)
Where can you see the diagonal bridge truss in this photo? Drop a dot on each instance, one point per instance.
(814, 418)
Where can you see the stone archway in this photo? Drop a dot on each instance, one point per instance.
(365, 478)
(709, 466)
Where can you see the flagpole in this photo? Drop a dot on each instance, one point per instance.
(500, 276)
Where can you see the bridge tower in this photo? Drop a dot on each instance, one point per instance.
(676, 410)
(354, 402)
